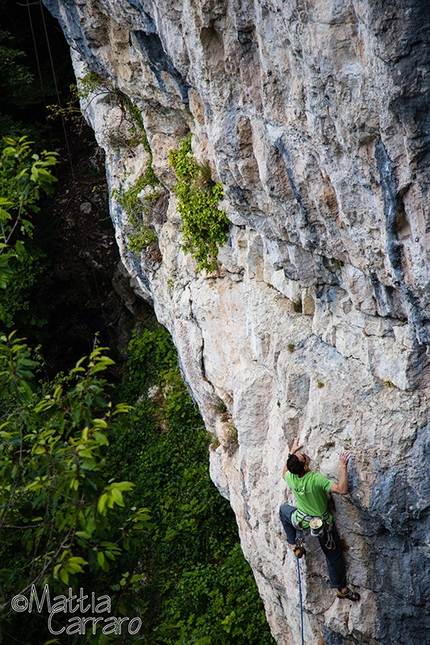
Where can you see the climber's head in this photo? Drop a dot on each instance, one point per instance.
(298, 464)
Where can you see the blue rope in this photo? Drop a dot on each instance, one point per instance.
(301, 601)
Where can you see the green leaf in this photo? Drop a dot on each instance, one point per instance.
(101, 439)
(83, 534)
(102, 503)
(117, 496)
(99, 423)
(64, 576)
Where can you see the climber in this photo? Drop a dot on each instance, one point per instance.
(310, 490)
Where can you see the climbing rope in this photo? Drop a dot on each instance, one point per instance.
(301, 601)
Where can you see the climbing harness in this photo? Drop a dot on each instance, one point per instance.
(302, 517)
(299, 581)
(318, 525)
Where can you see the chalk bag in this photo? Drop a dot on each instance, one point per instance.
(316, 526)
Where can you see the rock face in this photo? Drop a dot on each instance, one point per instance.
(314, 115)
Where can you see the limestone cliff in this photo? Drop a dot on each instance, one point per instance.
(314, 115)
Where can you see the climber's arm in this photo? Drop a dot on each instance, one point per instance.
(342, 486)
(294, 448)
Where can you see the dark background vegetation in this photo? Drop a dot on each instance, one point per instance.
(186, 577)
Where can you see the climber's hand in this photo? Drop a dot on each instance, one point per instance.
(344, 458)
(296, 446)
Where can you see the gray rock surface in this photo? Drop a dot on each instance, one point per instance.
(314, 115)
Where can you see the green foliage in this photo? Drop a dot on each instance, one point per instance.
(137, 126)
(24, 176)
(92, 85)
(71, 113)
(67, 457)
(57, 506)
(88, 84)
(15, 76)
(220, 406)
(17, 308)
(220, 604)
(140, 235)
(141, 240)
(198, 587)
(205, 226)
(138, 200)
(129, 201)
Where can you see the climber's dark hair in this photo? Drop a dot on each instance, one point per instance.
(295, 466)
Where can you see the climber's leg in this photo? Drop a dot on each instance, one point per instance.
(285, 513)
(335, 559)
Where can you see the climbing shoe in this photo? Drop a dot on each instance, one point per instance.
(299, 552)
(348, 594)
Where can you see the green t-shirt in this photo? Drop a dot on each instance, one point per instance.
(310, 492)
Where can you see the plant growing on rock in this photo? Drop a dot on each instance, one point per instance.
(138, 200)
(137, 203)
(220, 406)
(71, 113)
(205, 226)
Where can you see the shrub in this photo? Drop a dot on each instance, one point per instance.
(204, 225)
(56, 500)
